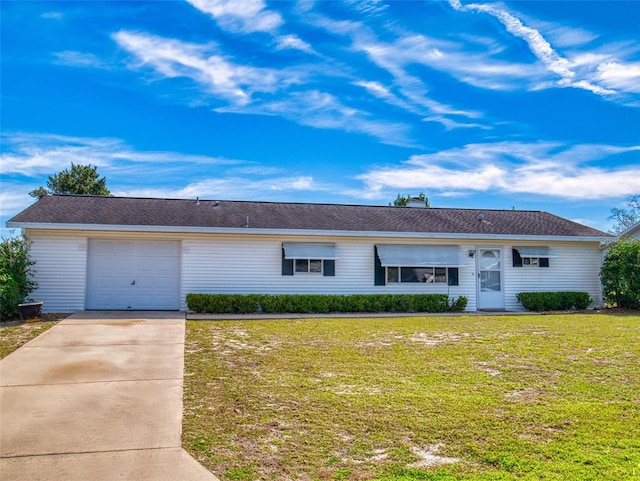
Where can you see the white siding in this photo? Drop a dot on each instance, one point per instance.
(233, 264)
(61, 271)
(253, 264)
(576, 267)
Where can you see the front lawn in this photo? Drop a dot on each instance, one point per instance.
(427, 398)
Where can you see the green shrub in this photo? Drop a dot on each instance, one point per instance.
(554, 301)
(323, 304)
(621, 274)
(16, 282)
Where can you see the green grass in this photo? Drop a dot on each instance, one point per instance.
(12, 337)
(510, 398)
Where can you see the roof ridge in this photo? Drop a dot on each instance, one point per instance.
(272, 202)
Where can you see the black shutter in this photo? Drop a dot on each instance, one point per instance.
(287, 265)
(329, 268)
(517, 260)
(379, 273)
(544, 262)
(453, 276)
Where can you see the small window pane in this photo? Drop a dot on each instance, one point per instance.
(416, 274)
(408, 274)
(302, 265)
(441, 274)
(489, 261)
(426, 274)
(315, 265)
(392, 274)
(490, 281)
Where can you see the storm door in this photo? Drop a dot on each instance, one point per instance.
(490, 283)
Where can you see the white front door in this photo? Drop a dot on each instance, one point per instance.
(133, 274)
(490, 288)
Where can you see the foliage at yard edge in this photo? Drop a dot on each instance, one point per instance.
(500, 398)
(621, 274)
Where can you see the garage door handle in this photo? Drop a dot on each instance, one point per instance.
(133, 283)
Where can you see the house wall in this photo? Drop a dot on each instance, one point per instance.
(252, 264)
(61, 270)
(576, 267)
(235, 264)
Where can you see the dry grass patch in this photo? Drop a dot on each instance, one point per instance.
(424, 398)
(14, 334)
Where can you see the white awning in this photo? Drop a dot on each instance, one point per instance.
(309, 250)
(420, 255)
(534, 251)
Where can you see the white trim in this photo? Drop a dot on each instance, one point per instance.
(630, 231)
(298, 232)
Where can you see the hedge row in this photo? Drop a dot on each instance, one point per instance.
(322, 304)
(554, 301)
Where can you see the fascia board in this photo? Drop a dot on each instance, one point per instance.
(300, 232)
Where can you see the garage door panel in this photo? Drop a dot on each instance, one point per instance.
(133, 275)
(167, 250)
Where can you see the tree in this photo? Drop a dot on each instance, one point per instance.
(403, 200)
(621, 274)
(80, 179)
(16, 273)
(625, 218)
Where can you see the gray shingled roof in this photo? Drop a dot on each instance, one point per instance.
(126, 211)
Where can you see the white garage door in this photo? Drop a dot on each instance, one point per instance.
(133, 275)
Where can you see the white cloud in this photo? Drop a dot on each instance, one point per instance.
(294, 42)
(408, 91)
(621, 76)
(78, 59)
(33, 155)
(240, 16)
(28, 158)
(249, 16)
(554, 62)
(15, 198)
(219, 75)
(564, 36)
(543, 169)
(231, 188)
(322, 110)
(52, 15)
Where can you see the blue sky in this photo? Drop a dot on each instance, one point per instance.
(532, 105)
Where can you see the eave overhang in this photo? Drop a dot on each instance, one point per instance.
(299, 232)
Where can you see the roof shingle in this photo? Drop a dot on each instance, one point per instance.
(128, 211)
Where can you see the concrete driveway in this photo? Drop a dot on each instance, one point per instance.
(97, 397)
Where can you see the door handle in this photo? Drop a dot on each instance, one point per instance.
(133, 283)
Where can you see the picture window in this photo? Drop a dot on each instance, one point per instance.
(429, 275)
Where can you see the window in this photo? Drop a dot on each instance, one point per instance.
(312, 266)
(308, 258)
(531, 256)
(430, 264)
(418, 274)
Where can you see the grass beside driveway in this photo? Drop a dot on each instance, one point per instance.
(15, 334)
(427, 398)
